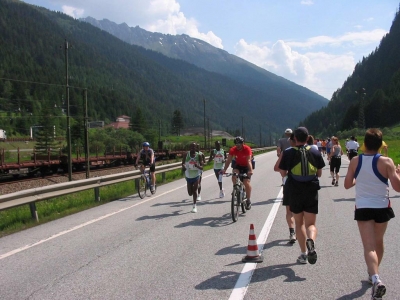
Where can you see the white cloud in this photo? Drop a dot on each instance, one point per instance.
(72, 11)
(307, 2)
(349, 38)
(318, 71)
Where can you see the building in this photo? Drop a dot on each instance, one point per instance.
(121, 122)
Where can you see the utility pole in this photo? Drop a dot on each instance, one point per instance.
(86, 125)
(205, 135)
(68, 115)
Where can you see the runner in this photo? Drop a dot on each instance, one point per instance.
(203, 159)
(303, 165)
(335, 159)
(285, 200)
(283, 144)
(219, 156)
(352, 147)
(369, 173)
(191, 164)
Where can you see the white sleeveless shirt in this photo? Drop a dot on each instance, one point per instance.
(372, 189)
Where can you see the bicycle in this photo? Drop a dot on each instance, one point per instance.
(238, 195)
(144, 183)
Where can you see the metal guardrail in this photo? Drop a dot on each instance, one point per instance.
(31, 196)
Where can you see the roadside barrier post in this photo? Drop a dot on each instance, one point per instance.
(34, 213)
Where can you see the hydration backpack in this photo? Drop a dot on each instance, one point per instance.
(303, 165)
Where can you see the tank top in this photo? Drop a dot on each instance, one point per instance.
(372, 189)
(191, 170)
(337, 151)
(219, 158)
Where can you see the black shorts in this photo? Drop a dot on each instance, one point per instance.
(152, 166)
(352, 153)
(379, 215)
(335, 164)
(302, 196)
(285, 198)
(242, 169)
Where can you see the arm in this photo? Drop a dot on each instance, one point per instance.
(276, 166)
(184, 162)
(349, 180)
(211, 156)
(393, 174)
(228, 161)
(137, 158)
(199, 164)
(249, 165)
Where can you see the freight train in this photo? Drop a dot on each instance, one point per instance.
(55, 163)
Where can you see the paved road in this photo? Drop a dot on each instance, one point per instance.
(156, 249)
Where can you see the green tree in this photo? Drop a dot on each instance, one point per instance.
(45, 138)
(139, 123)
(177, 122)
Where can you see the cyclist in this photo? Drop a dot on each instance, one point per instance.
(243, 164)
(219, 156)
(191, 164)
(146, 156)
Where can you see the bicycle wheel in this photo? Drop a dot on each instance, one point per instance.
(234, 205)
(243, 201)
(142, 187)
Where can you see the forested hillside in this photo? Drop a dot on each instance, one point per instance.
(370, 97)
(120, 79)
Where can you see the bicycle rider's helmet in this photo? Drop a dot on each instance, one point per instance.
(146, 144)
(239, 140)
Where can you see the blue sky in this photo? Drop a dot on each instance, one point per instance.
(314, 43)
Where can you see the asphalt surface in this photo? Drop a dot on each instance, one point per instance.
(156, 248)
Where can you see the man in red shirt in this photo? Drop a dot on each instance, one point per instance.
(242, 154)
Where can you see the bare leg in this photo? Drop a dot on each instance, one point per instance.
(300, 231)
(372, 238)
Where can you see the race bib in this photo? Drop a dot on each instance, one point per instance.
(219, 159)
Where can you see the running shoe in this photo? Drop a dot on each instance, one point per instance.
(248, 204)
(152, 188)
(337, 183)
(222, 193)
(292, 238)
(312, 254)
(378, 290)
(198, 198)
(194, 209)
(333, 181)
(302, 259)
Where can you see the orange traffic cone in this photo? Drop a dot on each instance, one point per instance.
(252, 249)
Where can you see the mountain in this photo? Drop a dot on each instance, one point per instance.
(370, 97)
(120, 79)
(212, 59)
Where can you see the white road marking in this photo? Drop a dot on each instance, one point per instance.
(15, 251)
(240, 289)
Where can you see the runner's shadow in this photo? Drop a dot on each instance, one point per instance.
(162, 216)
(225, 220)
(278, 243)
(227, 280)
(365, 285)
(344, 199)
(183, 202)
(234, 249)
(269, 201)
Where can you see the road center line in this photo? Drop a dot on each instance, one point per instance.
(240, 289)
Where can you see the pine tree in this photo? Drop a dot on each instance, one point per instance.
(45, 138)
